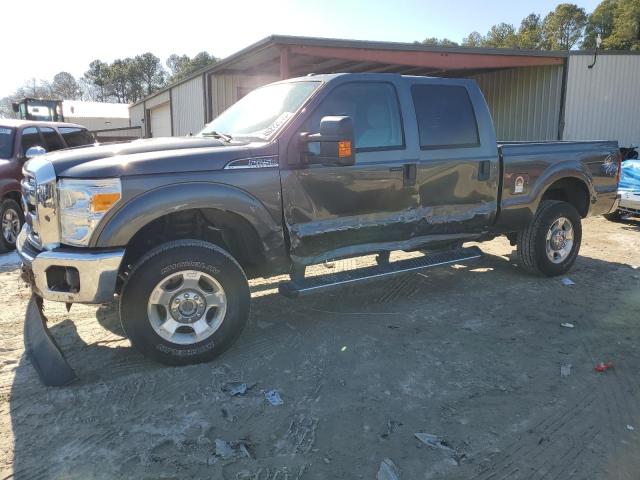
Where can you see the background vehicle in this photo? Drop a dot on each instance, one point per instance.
(20, 140)
(629, 188)
(296, 173)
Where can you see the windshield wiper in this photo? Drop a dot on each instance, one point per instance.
(223, 136)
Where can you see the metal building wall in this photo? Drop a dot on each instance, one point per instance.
(603, 103)
(227, 89)
(136, 115)
(187, 100)
(524, 102)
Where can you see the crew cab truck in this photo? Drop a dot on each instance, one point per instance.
(296, 173)
(19, 141)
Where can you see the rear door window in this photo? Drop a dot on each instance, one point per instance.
(52, 140)
(30, 138)
(76, 137)
(445, 117)
(6, 142)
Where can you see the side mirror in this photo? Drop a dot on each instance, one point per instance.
(34, 152)
(336, 142)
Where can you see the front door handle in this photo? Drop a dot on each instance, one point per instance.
(484, 170)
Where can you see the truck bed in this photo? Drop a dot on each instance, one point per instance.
(529, 169)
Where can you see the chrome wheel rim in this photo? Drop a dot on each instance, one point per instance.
(187, 307)
(10, 225)
(559, 240)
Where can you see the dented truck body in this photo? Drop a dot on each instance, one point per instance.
(419, 178)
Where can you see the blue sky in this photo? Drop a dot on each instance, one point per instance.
(68, 34)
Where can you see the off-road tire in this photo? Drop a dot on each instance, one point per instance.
(531, 248)
(8, 203)
(163, 261)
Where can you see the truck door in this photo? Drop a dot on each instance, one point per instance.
(332, 211)
(458, 164)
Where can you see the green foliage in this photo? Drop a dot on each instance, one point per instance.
(530, 34)
(439, 42)
(501, 35)
(181, 66)
(625, 34)
(564, 26)
(601, 21)
(473, 40)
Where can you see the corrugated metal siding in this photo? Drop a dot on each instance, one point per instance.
(524, 102)
(227, 89)
(136, 115)
(603, 103)
(157, 100)
(188, 107)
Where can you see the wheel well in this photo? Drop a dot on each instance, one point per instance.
(225, 229)
(13, 196)
(570, 190)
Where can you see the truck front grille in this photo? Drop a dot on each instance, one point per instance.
(39, 201)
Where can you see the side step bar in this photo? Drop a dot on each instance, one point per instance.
(306, 286)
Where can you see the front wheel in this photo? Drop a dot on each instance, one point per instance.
(12, 220)
(551, 242)
(185, 302)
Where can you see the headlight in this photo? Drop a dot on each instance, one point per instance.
(83, 203)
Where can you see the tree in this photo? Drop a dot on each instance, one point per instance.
(502, 35)
(474, 39)
(564, 26)
(626, 27)
(181, 66)
(65, 87)
(530, 32)
(150, 70)
(601, 21)
(98, 76)
(439, 42)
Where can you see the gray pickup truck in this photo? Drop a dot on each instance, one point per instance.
(296, 173)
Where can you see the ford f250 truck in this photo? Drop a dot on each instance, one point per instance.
(296, 173)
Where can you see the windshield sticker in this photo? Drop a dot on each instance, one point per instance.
(5, 131)
(282, 119)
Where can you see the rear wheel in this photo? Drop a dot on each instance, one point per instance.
(185, 302)
(12, 220)
(551, 242)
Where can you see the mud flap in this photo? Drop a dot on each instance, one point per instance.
(44, 353)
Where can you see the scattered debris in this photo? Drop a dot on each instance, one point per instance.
(567, 325)
(630, 428)
(328, 264)
(565, 370)
(567, 282)
(635, 267)
(227, 450)
(387, 470)
(391, 426)
(235, 388)
(273, 396)
(603, 367)
(433, 441)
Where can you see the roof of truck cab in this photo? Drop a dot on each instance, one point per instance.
(12, 122)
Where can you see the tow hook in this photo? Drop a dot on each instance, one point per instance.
(42, 349)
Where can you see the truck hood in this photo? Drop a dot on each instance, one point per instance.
(144, 157)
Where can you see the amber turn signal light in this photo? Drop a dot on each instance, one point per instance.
(344, 148)
(101, 202)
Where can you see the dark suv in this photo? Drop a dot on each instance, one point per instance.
(19, 141)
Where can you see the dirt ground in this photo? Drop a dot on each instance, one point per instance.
(472, 354)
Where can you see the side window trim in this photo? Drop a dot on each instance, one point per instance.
(61, 141)
(40, 138)
(476, 144)
(400, 147)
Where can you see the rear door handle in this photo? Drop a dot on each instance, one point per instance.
(484, 170)
(410, 174)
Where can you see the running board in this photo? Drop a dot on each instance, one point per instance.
(306, 286)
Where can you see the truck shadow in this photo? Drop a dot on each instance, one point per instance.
(105, 414)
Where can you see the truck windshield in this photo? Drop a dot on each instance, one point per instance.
(262, 112)
(6, 142)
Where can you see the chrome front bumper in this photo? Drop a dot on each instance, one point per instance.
(97, 271)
